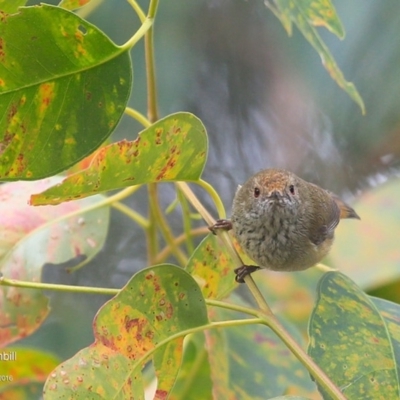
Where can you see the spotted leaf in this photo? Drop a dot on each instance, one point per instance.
(63, 88)
(156, 303)
(350, 341)
(174, 148)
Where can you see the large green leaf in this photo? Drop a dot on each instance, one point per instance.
(28, 240)
(350, 340)
(306, 15)
(156, 303)
(174, 148)
(63, 88)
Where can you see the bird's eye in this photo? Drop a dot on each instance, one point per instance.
(291, 189)
(256, 192)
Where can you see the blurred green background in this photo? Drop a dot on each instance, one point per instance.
(266, 101)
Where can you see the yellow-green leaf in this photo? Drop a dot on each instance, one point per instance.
(212, 267)
(64, 86)
(174, 148)
(349, 340)
(156, 303)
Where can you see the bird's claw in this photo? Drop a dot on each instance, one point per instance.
(243, 271)
(223, 224)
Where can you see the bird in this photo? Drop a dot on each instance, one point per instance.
(283, 222)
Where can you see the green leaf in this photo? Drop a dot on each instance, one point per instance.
(73, 4)
(172, 149)
(349, 340)
(368, 251)
(11, 6)
(23, 375)
(28, 240)
(63, 88)
(156, 303)
(250, 362)
(306, 15)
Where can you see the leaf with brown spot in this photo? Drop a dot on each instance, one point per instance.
(172, 149)
(212, 267)
(350, 341)
(64, 86)
(156, 303)
(27, 243)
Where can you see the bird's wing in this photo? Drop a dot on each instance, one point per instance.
(328, 226)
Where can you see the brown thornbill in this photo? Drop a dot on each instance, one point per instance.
(283, 222)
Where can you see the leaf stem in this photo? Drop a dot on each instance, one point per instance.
(214, 195)
(138, 10)
(258, 297)
(152, 109)
(142, 31)
(139, 117)
(152, 8)
(56, 287)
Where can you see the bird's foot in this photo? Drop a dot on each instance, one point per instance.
(243, 271)
(223, 224)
